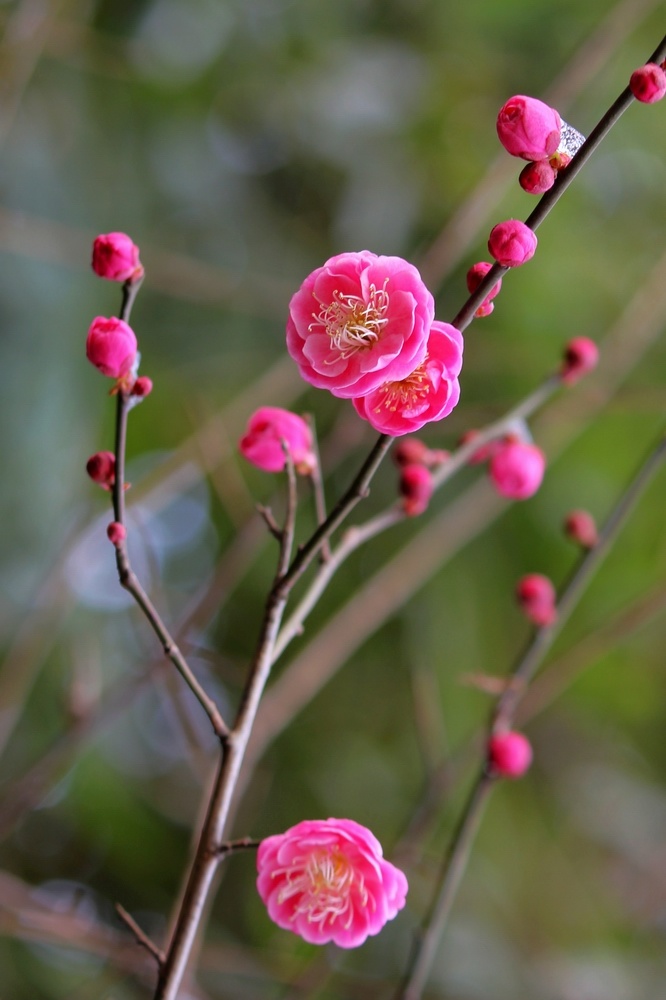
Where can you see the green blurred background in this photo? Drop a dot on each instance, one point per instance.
(241, 143)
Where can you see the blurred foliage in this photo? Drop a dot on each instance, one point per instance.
(241, 143)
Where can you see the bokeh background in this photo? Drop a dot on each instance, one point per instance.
(241, 143)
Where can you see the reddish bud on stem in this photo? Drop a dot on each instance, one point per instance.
(509, 754)
(116, 258)
(648, 83)
(101, 467)
(512, 243)
(580, 357)
(116, 532)
(580, 527)
(537, 598)
(416, 488)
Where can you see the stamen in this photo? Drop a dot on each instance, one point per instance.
(352, 323)
(406, 393)
(324, 882)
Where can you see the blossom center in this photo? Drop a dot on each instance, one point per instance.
(323, 881)
(353, 324)
(408, 392)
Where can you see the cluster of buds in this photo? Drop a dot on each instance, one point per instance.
(111, 344)
(534, 131)
(415, 460)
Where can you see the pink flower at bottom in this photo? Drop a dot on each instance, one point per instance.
(516, 469)
(358, 321)
(267, 428)
(326, 880)
(428, 393)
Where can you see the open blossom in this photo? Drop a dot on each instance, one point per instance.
(267, 428)
(427, 393)
(358, 321)
(517, 468)
(509, 754)
(116, 257)
(326, 880)
(528, 128)
(111, 346)
(512, 243)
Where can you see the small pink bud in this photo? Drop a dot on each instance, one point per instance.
(512, 243)
(528, 128)
(537, 598)
(537, 178)
(648, 83)
(509, 754)
(517, 468)
(412, 451)
(116, 532)
(116, 258)
(482, 454)
(580, 357)
(475, 276)
(142, 387)
(559, 160)
(580, 527)
(101, 467)
(416, 488)
(267, 428)
(111, 346)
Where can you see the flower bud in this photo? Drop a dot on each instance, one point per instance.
(509, 754)
(111, 346)
(475, 276)
(537, 178)
(142, 387)
(580, 357)
(528, 128)
(412, 451)
(116, 533)
(648, 83)
(512, 243)
(116, 258)
(482, 454)
(537, 598)
(101, 467)
(580, 527)
(416, 488)
(262, 444)
(517, 468)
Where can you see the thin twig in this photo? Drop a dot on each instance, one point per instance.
(242, 844)
(140, 935)
(458, 855)
(317, 481)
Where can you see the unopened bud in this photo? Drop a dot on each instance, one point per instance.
(101, 467)
(509, 754)
(580, 527)
(512, 243)
(648, 83)
(475, 276)
(116, 258)
(537, 598)
(580, 357)
(142, 387)
(538, 177)
(517, 468)
(416, 488)
(116, 532)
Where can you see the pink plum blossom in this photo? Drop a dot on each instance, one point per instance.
(581, 356)
(648, 83)
(517, 469)
(475, 276)
(509, 754)
(116, 258)
(427, 393)
(326, 880)
(528, 128)
(111, 346)
(416, 488)
(512, 243)
(267, 428)
(537, 598)
(359, 321)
